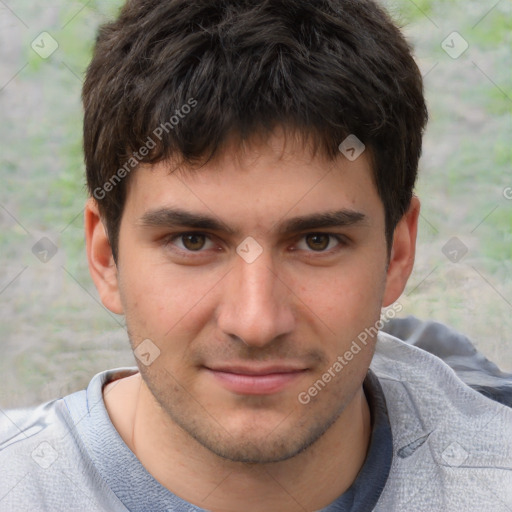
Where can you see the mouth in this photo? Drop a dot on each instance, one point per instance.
(256, 380)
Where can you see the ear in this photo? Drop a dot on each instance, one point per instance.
(402, 253)
(101, 261)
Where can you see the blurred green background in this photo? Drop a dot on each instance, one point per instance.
(55, 333)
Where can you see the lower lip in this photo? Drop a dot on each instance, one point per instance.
(256, 384)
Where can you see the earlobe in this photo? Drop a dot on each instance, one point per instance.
(402, 253)
(101, 261)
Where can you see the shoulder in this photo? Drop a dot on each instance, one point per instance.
(44, 463)
(35, 444)
(22, 428)
(447, 437)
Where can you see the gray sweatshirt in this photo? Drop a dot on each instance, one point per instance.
(437, 446)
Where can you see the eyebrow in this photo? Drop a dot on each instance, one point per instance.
(172, 218)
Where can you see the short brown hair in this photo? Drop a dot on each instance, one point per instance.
(177, 78)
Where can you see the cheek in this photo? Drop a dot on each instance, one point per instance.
(160, 300)
(346, 299)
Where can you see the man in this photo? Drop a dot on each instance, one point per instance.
(251, 168)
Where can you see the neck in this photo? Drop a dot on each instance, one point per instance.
(308, 481)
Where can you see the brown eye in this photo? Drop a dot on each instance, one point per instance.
(193, 241)
(318, 241)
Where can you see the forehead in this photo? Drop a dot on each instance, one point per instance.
(264, 181)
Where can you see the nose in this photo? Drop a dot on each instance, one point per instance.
(256, 305)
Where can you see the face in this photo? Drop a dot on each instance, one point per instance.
(252, 275)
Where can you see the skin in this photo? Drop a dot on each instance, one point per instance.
(301, 303)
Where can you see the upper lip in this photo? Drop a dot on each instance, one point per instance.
(267, 369)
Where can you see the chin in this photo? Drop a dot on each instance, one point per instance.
(257, 443)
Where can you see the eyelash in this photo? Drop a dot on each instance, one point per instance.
(342, 240)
